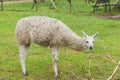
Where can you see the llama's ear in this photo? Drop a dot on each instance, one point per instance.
(85, 35)
(94, 36)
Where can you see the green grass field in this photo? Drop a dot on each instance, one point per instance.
(73, 65)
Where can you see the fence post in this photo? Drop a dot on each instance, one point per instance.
(34, 4)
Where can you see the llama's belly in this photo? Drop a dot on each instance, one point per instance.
(41, 37)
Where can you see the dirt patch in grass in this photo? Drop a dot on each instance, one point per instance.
(19, 1)
(111, 16)
(115, 17)
(3, 79)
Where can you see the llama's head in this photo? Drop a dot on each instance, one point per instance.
(89, 40)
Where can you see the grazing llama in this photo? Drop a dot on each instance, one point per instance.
(50, 32)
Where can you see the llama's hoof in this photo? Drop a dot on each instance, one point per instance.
(26, 74)
(56, 76)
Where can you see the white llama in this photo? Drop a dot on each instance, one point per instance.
(50, 32)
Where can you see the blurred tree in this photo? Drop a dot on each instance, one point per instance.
(53, 4)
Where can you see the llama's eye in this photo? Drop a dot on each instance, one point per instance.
(86, 41)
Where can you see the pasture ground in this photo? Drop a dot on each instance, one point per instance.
(73, 65)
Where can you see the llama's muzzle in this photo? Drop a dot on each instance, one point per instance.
(91, 47)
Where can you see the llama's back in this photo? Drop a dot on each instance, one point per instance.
(42, 30)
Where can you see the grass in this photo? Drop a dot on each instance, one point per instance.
(73, 65)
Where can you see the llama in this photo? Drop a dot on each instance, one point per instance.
(50, 32)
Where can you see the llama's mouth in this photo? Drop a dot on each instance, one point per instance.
(91, 48)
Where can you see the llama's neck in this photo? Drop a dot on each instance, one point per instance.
(71, 39)
(77, 44)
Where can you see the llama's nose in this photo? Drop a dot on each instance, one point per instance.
(91, 47)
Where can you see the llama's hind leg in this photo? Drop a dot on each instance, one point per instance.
(23, 52)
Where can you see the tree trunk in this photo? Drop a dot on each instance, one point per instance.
(42, 0)
(1, 1)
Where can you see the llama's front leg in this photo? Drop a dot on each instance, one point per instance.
(23, 52)
(54, 52)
